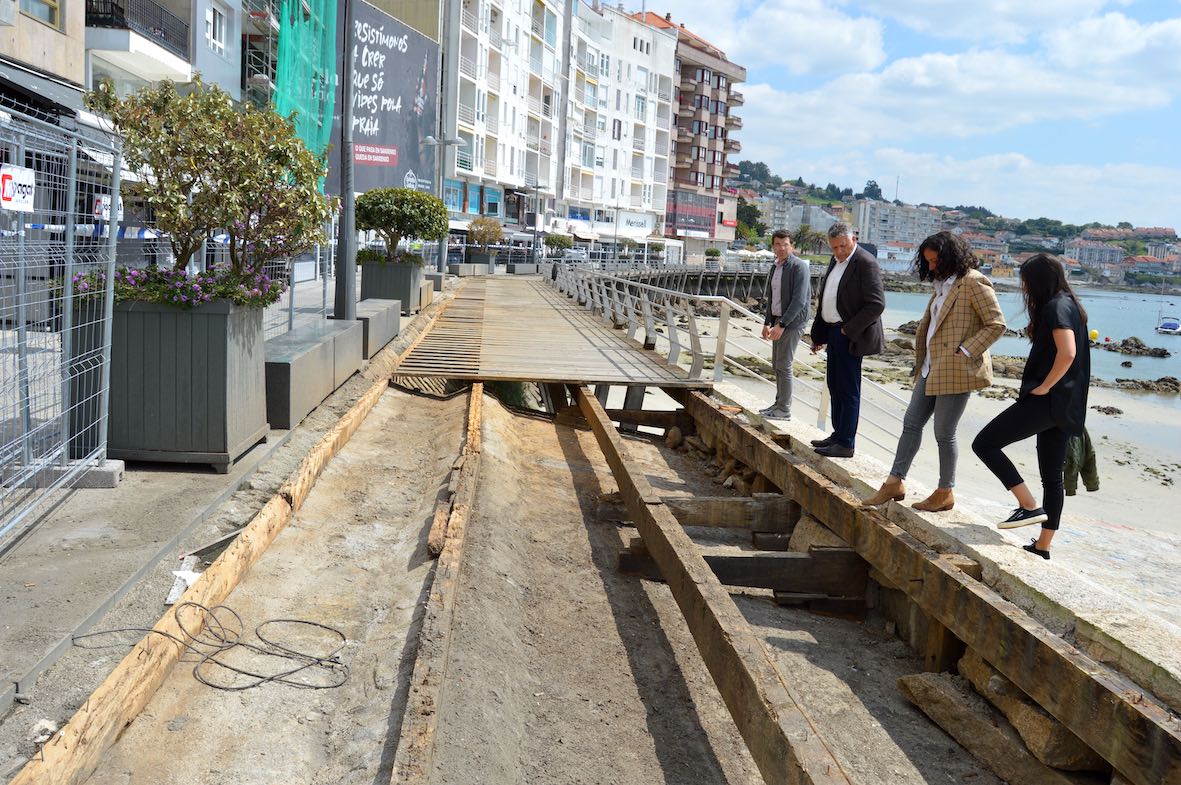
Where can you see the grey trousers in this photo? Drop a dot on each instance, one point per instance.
(783, 354)
(947, 410)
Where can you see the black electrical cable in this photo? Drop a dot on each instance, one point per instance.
(218, 638)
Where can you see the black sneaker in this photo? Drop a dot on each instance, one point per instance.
(1023, 517)
(1032, 548)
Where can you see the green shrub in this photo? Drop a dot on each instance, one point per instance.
(397, 213)
(484, 231)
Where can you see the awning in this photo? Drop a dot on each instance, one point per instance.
(52, 91)
(582, 231)
(457, 226)
(107, 160)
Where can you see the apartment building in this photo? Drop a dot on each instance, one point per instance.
(617, 127)
(1092, 253)
(814, 216)
(702, 206)
(880, 223)
(774, 210)
(502, 62)
(42, 57)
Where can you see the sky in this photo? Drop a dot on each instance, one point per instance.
(1067, 109)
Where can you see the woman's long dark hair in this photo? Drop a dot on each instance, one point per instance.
(955, 257)
(1043, 277)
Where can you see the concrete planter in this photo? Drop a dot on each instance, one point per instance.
(523, 269)
(465, 270)
(486, 259)
(186, 386)
(392, 281)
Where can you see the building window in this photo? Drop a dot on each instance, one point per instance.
(604, 65)
(616, 129)
(47, 11)
(453, 195)
(215, 29)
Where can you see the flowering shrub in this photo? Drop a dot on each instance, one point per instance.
(175, 287)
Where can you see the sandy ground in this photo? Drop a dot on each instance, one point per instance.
(354, 558)
(564, 671)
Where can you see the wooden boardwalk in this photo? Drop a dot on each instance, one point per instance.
(504, 328)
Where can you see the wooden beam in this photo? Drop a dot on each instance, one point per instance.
(767, 512)
(782, 740)
(412, 759)
(1108, 711)
(652, 419)
(824, 572)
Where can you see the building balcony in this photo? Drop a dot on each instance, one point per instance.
(535, 105)
(533, 143)
(492, 124)
(535, 66)
(664, 95)
(262, 16)
(545, 147)
(467, 67)
(639, 144)
(140, 37)
(734, 121)
(463, 161)
(468, 19)
(467, 115)
(637, 172)
(733, 145)
(490, 167)
(494, 38)
(547, 111)
(537, 27)
(493, 80)
(736, 98)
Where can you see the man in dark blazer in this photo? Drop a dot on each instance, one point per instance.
(788, 293)
(849, 322)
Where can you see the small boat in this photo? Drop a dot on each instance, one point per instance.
(1169, 325)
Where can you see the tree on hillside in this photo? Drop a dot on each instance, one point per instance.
(750, 217)
(872, 191)
(1124, 225)
(755, 170)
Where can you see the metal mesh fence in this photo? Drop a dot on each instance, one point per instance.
(56, 257)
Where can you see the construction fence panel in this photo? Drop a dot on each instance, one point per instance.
(57, 256)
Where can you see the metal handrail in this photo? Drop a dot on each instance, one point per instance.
(625, 302)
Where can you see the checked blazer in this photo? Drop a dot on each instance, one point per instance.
(971, 317)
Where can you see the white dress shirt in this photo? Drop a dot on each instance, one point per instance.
(942, 289)
(828, 303)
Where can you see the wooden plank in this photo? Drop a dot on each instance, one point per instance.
(781, 739)
(1111, 713)
(652, 419)
(412, 759)
(436, 537)
(822, 573)
(771, 512)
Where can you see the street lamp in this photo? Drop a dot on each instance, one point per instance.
(442, 144)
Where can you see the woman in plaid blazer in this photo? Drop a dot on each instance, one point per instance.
(963, 319)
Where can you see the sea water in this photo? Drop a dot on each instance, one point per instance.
(1116, 315)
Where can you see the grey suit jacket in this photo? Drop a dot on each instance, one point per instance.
(795, 293)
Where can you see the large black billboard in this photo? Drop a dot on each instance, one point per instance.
(395, 95)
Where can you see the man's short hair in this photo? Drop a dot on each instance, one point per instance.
(780, 234)
(840, 229)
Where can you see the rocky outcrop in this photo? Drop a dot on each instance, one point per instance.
(1165, 384)
(1133, 346)
(1047, 738)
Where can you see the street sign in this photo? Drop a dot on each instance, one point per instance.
(17, 186)
(102, 208)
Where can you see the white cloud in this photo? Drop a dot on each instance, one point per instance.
(1010, 184)
(985, 21)
(1115, 44)
(940, 95)
(803, 36)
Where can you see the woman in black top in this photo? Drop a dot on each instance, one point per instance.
(1052, 403)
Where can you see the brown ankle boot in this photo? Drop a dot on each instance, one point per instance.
(939, 501)
(891, 489)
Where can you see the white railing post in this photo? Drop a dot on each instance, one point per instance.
(822, 407)
(649, 322)
(698, 363)
(720, 347)
(633, 321)
(674, 337)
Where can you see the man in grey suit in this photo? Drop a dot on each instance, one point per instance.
(788, 294)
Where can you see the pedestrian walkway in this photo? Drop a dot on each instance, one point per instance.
(522, 329)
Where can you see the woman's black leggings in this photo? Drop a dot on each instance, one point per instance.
(1030, 415)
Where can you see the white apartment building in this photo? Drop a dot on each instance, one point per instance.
(814, 216)
(774, 211)
(1091, 253)
(880, 223)
(502, 96)
(616, 127)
